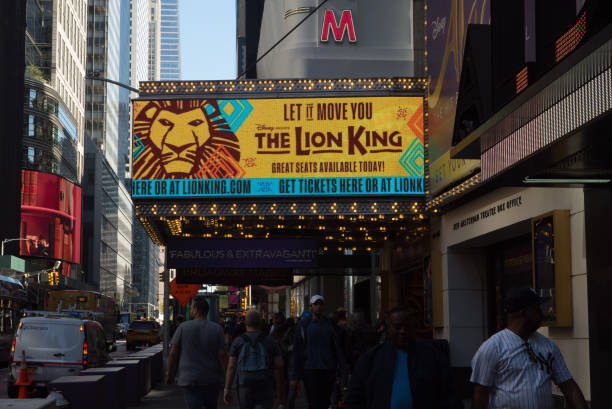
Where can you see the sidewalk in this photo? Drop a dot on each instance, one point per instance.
(171, 397)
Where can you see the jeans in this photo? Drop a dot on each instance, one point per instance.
(256, 398)
(319, 385)
(199, 396)
(292, 396)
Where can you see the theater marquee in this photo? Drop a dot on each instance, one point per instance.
(278, 147)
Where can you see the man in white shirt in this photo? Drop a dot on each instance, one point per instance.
(513, 369)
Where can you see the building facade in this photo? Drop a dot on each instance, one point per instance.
(536, 210)
(107, 205)
(154, 39)
(170, 50)
(145, 274)
(52, 144)
(107, 229)
(345, 38)
(108, 106)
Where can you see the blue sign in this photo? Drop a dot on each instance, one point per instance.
(277, 187)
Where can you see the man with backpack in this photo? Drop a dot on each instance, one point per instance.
(317, 356)
(259, 363)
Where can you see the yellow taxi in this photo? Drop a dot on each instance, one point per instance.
(142, 332)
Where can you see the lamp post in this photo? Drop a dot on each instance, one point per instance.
(95, 76)
(8, 241)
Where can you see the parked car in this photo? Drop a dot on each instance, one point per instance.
(55, 346)
(142, 332)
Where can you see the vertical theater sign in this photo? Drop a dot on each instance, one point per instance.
(338, 29)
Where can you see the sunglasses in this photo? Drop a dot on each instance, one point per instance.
(545, 364)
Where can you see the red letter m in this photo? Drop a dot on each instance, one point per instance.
(346, 24)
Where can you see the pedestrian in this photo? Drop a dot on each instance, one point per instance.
(401, 373)
(178, 320)
(240, 329)
(280, 332)
(259, 363)
(317, 356)
(381, 329)
(361, 337)
(513, 369)
(198, 351)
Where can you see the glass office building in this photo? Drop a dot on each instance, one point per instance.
(170, 65)
(107, 204)
(107, 120)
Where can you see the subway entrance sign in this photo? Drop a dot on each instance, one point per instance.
(272, 159)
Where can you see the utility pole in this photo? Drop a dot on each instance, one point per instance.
(166, 306)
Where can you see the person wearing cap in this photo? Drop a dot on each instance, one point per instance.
(514, 367)
(317, 356)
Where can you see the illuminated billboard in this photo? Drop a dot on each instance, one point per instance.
(50, 217)
(278, 147)
(447, 26)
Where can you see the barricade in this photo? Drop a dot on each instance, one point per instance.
(145, 369)
(157, 364)
(115, 385)
(82, 391)
(27, 404)
(133, 380)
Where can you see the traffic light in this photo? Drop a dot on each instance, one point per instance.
(161, 276)
(243, 304)
(53, 278)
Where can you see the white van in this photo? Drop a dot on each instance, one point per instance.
(55, 346)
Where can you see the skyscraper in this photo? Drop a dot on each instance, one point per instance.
(107, 205)
(154, 39)
(144, 59)
(139, 43)
(170, 41)
(52, 155)
(54, 72)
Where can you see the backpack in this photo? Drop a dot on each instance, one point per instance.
(253, 362)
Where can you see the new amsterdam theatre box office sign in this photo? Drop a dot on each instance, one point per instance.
(278, 147)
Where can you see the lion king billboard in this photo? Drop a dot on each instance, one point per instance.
(278, 147)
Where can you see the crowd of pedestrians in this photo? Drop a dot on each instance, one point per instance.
(341, 362)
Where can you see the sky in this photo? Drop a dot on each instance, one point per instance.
(208, 39)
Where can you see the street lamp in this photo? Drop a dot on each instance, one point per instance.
(95, 76)
(8, 241)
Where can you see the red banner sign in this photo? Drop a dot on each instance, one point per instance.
(183, 292)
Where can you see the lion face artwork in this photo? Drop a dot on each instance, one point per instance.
(184, 140)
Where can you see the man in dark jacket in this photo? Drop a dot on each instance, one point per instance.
(403, 372)
(317, 356)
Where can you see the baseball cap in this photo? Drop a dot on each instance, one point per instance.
(519, 298)
(316, 298)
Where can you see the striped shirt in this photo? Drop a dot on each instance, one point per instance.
(504, 364)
